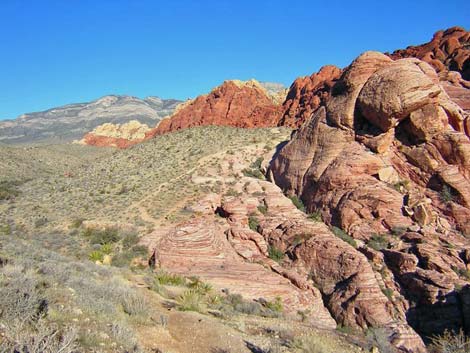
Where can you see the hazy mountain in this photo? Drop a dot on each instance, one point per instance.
(72, 121)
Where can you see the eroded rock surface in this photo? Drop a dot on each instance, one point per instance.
(319, 274)
(387, 160)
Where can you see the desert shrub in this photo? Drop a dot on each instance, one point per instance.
(378, 242)
(130, 240)
(447, 193)
(101, 236)
(275, 253)
(462, 272)
(232, 192)
(344, 236)
(39, 222)
(297, 203)
(398, 231)
(388, 292)
(450, 342)
(316, 216)
(190, 300)
(5, 229)
(196, 284)
(275, 305)
(253, 173)
(96, 255)
(253, 222)
(249, 308)
(319, 344)
(125, 257)
(166, 278)
(21, 295)
(134, 303)
(257, 163)
(348, 330)
(8, 189)
(263, 209)
(379, 337)
(106, 249)
(76, 223)
(42, 337)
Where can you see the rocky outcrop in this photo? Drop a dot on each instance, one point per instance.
(116, 135)
(306, 94)
(320, 275)
(234, 103)
(73, 121)
(448, 50)
(387, 160)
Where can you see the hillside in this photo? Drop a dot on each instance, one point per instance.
(99, 207)
(71, 122)
(219, 231)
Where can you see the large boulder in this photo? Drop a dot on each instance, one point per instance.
(389, 153)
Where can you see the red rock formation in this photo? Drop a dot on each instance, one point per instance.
(320, 270)
(116, 135)
(234, 103)
(449, 49)
(306, 94)
(389, 154)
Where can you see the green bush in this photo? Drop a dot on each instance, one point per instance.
(263, 209)
(125, 257)
(297, 203)
(166, 278)
(275, 305)
(8, 189)
(102, 236)
(447, 193)
(253, 222)
(344, 236)
(96, 255)
(316, 216)
(275, 253)
(199, 286)
(378, 242)
(130, 240)
(106, 249)
(253, 173)
(190, 300)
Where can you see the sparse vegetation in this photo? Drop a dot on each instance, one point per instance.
(315, 216)
(450, 342)
(344, 236)
(297, 203)
(263, 209)
(447, 193)
(378, 242)
(253, 222)
(275, 253)
(9, 189)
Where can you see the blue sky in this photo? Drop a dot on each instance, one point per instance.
(55, 52)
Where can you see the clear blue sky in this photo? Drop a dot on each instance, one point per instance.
(55, 52)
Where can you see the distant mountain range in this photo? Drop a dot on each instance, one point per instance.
(72, 121)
